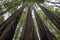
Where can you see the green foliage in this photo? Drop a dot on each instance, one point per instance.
(22, 19)
(48, 22)
(14, 3)
(56, 11)
(35, 1)
(9, 4)
(1, 19)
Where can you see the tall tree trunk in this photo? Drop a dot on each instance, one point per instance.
(55, 19)
(6, 23)
(9, 27)
(45, 34)
(35, 36)
(28, 28)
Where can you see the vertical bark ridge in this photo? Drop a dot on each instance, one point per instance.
(10, 26)
(28, 28)
(45, 34)
(35, 36)
(6, 23)
(55, 19)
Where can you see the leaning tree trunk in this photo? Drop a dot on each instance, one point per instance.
(10, 26)
(45, 34)
(55, 19)
(28, 28)
(5, 23)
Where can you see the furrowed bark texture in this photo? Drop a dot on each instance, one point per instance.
(35, 36)
(55, 19)
(14, 15)
(10, 25)
(45, 34)
(28, 28)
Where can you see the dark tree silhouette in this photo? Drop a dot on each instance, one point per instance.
(28, 28)
(45, 34)
(8, 27)
(12, 17)
(55, 19)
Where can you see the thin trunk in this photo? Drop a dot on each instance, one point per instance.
(55, 19)
(57, 6)
(45, 34)
(53, 2)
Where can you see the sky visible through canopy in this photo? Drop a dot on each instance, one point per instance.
(7, 15)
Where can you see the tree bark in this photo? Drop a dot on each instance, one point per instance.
(7, 10)
(45, 34)
(55, 19)
(10, 25)
(28, 28)
(35, 36)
